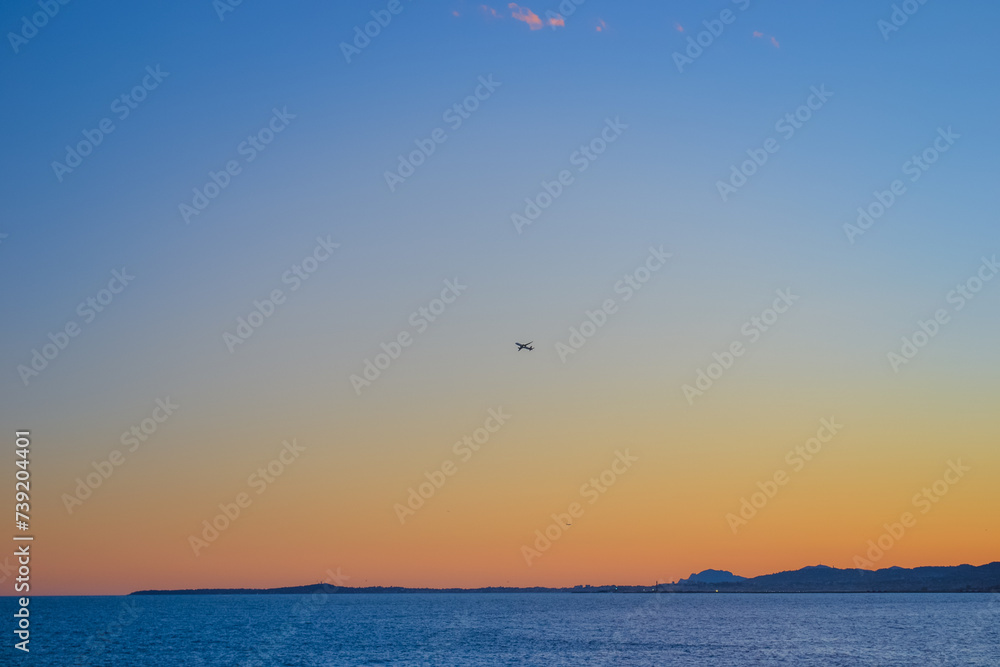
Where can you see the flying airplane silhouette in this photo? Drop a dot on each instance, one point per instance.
(525, 346)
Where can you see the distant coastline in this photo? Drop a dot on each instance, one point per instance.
(812, 579)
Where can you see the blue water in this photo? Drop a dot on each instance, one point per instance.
(513, 629)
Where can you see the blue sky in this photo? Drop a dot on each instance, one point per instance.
(325, 173)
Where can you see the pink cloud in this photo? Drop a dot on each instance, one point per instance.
(489, 11)
(773, 40)
(534, 21)
(526, 15)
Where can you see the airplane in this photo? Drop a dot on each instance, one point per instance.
(525, 346)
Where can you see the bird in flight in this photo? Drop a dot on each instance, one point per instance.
(525, 346)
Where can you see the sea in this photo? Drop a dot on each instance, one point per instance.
(474, 629)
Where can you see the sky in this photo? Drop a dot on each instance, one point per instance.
(312, 248)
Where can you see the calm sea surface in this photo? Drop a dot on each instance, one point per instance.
(512, 629)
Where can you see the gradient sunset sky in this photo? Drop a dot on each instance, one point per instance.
(892, 94)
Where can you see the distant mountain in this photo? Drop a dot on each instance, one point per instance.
(712, 577)
(820, 579)
(812, 579)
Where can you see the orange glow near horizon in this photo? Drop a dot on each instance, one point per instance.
(662, 518)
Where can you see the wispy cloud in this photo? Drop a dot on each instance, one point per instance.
(771, 38)
(524, 14)
(489, 11)
(534, 21)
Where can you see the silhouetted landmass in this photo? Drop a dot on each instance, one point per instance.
(823, 579)
(812, 579)
(712, 577)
